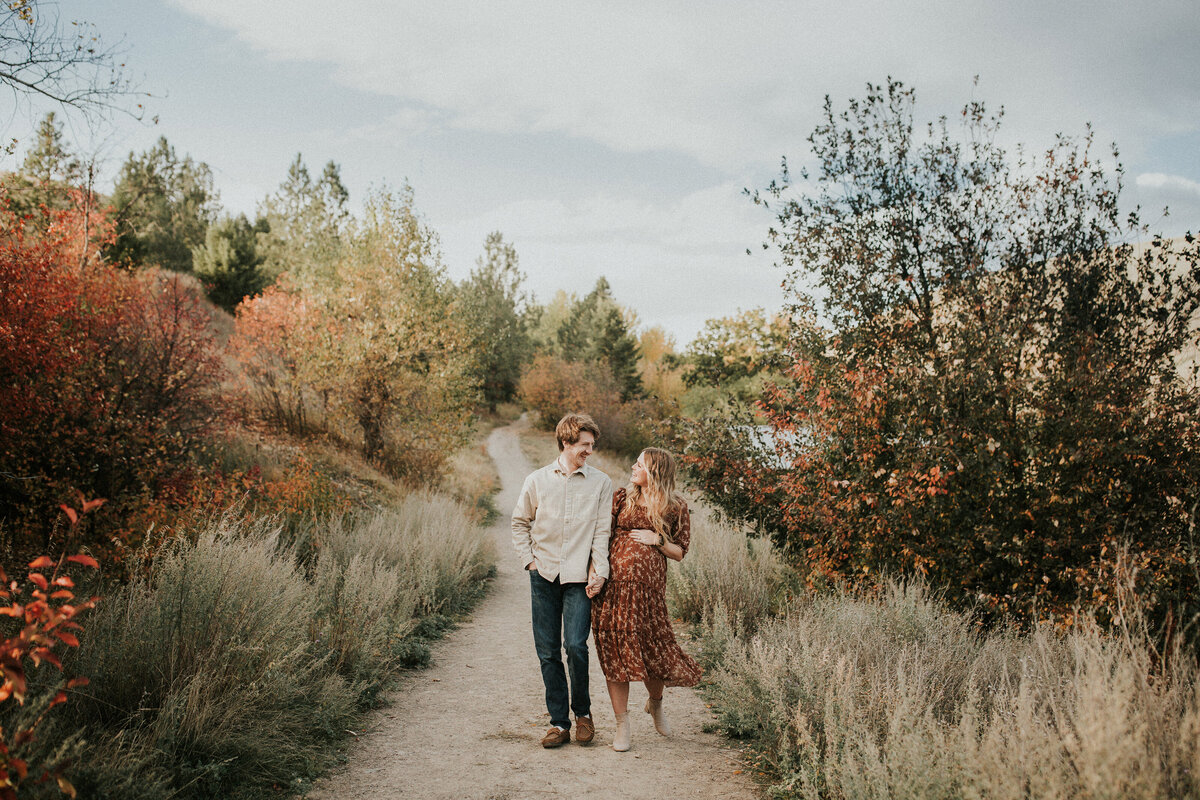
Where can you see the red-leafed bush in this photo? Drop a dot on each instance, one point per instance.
(275, 338)
(107, 378)
(43, 620)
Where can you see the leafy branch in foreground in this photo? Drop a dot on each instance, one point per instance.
(47, 609)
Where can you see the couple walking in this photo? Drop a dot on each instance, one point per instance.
(597, 558)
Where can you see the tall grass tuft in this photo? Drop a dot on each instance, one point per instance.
(229, 668)
(895, 696)
(472, 478)
(380, 573)
(727, 573)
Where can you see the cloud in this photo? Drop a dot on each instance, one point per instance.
(406, 122)
(731, 84)
(676, 263)
(615, 137)
(1171, 184)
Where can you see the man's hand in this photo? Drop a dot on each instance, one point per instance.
(594, 585)
(531, 566)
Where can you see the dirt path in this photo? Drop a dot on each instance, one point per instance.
(470, 726)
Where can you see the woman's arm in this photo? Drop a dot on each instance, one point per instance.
(672, 551)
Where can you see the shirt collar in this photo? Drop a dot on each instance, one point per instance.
(561, 468)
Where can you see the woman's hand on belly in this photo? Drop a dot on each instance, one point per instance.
(643, 536)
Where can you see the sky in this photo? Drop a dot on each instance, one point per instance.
(617, 139)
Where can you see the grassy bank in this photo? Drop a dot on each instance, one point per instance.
(234, 666)
(895, 696)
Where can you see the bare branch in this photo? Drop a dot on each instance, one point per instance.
(66, 63)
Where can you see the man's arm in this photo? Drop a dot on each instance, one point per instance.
(522, 522)
(603, 529)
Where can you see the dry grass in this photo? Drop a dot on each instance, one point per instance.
(473, 480)
(232, 667)
(898, 697)
(727, 574)
(471, 475)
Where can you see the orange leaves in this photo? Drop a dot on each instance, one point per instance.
(46, 626)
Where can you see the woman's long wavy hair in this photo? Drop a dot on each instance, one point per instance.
(659, 497)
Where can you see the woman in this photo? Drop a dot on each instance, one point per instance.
(632, 631)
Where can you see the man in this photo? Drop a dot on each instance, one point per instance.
(560, 524)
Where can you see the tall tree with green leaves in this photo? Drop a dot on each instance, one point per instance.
(495, 309)
(597, 329)
(229, 263)
(163, 206)
(307, 223)
(48, 173)
(395, 357)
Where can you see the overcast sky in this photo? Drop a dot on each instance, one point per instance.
(613, 138)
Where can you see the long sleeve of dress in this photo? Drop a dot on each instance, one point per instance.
(682, 534)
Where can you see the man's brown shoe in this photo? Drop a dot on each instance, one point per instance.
(555, 737)
(584, 729)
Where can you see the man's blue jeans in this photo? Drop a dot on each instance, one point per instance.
(562, 615)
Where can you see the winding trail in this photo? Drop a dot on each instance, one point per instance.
(470, 725)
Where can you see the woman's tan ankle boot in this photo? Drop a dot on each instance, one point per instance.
(655, 710)
(622, 737)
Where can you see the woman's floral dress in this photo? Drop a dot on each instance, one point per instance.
(632, 631)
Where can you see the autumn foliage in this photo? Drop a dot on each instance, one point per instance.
(107, 378)
(990, 397)
(43, 613)
(373, 351)
(553, 387)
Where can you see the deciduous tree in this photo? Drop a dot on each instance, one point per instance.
(992, 399)
(41, 58)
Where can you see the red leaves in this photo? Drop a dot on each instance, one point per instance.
(91, 505)
(46, 628)
(105, 374)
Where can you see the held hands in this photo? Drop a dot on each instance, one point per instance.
(594, 585)
(643, 536)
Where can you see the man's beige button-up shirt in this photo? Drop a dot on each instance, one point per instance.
(562, 521)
